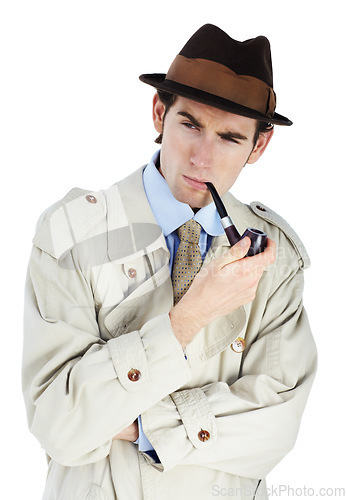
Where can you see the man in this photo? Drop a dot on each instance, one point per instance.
(159, 363)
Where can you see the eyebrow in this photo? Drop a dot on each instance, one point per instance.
(192, 119)
(229, 136)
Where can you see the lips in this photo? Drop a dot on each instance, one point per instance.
(196, 183)
(198, 180)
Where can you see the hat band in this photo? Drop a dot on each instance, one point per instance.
(217, 79)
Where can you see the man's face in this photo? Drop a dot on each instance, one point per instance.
(201, 143)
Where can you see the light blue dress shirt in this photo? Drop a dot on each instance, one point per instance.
(170, 215)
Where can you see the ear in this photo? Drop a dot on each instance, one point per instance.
(158, 113)
(260, 146)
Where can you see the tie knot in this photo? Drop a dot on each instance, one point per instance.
(190, 232)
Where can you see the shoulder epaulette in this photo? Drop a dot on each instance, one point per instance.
(66, 223)
(272, 217)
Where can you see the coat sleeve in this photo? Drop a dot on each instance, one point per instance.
(77, 387)
(253, 422)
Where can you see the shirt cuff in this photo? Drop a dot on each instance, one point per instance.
(143, 442)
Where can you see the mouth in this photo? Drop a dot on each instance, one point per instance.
(196, 183)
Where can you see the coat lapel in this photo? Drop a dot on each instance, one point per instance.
(132, 228)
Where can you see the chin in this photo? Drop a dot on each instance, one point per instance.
(196, 205)
(194, 199)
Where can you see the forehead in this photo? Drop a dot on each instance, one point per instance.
(216, 118)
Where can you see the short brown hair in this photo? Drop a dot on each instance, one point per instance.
(167, 100)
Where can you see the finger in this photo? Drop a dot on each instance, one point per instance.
(270, 251)
(262, 260)
(236, 252)
(268, 256)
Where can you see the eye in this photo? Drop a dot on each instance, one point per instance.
(189, 125)
(230, 139)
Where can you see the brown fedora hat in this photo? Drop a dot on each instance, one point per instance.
(214, 69)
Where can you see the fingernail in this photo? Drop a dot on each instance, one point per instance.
(243, 243)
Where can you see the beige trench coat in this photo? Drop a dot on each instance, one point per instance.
(98, 295)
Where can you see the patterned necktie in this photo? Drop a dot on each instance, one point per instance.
(188, 259)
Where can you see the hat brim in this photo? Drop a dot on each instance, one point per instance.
(159, 81)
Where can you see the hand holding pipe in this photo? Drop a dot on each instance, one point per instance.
(258, 238)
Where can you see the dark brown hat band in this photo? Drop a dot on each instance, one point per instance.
(217, 79)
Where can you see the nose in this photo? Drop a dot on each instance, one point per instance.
(202, 154)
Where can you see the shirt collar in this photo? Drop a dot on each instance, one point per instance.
(171, 213)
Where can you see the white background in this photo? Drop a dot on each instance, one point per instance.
(73, 113)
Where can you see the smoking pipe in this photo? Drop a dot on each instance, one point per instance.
(258, 238)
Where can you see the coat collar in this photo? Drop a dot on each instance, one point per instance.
(129, 213)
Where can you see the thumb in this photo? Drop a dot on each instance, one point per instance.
(236, 252)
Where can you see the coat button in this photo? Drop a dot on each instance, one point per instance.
(203, 435)
(260, 208)
(238, 345)
(91, 199)
(134, 375)
(132, 273)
